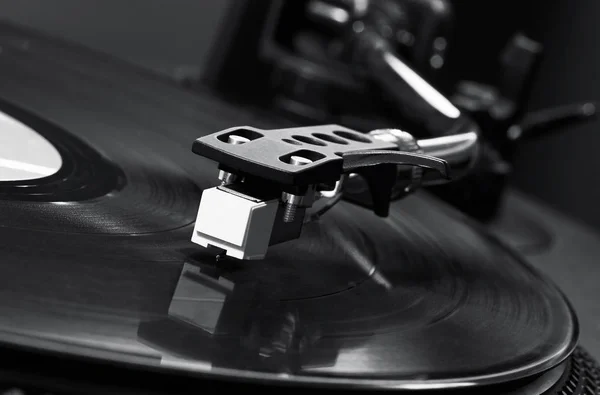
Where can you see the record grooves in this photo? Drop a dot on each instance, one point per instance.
(97, 262)
(84, 173)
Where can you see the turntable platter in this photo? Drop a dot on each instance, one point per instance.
(97, 262)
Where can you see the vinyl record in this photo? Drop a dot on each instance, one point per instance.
(96, 259)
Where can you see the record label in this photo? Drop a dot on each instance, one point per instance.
(25, 154)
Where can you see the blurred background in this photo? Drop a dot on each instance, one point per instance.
(174, 38)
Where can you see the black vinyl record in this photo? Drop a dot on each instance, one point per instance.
(96, 260)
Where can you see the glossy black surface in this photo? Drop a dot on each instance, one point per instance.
(80, 164)
(419, 299)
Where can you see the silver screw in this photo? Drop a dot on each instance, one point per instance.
(299, 161)
(290, 213)
(235, 139)
(291, 204)
(292, 201)
(225, 176)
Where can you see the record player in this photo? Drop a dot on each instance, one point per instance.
(166, 240)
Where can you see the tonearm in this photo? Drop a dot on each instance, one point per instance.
(270, 179)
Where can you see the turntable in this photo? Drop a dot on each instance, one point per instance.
(151, 244)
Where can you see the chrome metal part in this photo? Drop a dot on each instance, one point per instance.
(293, 201)
(224, 176)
